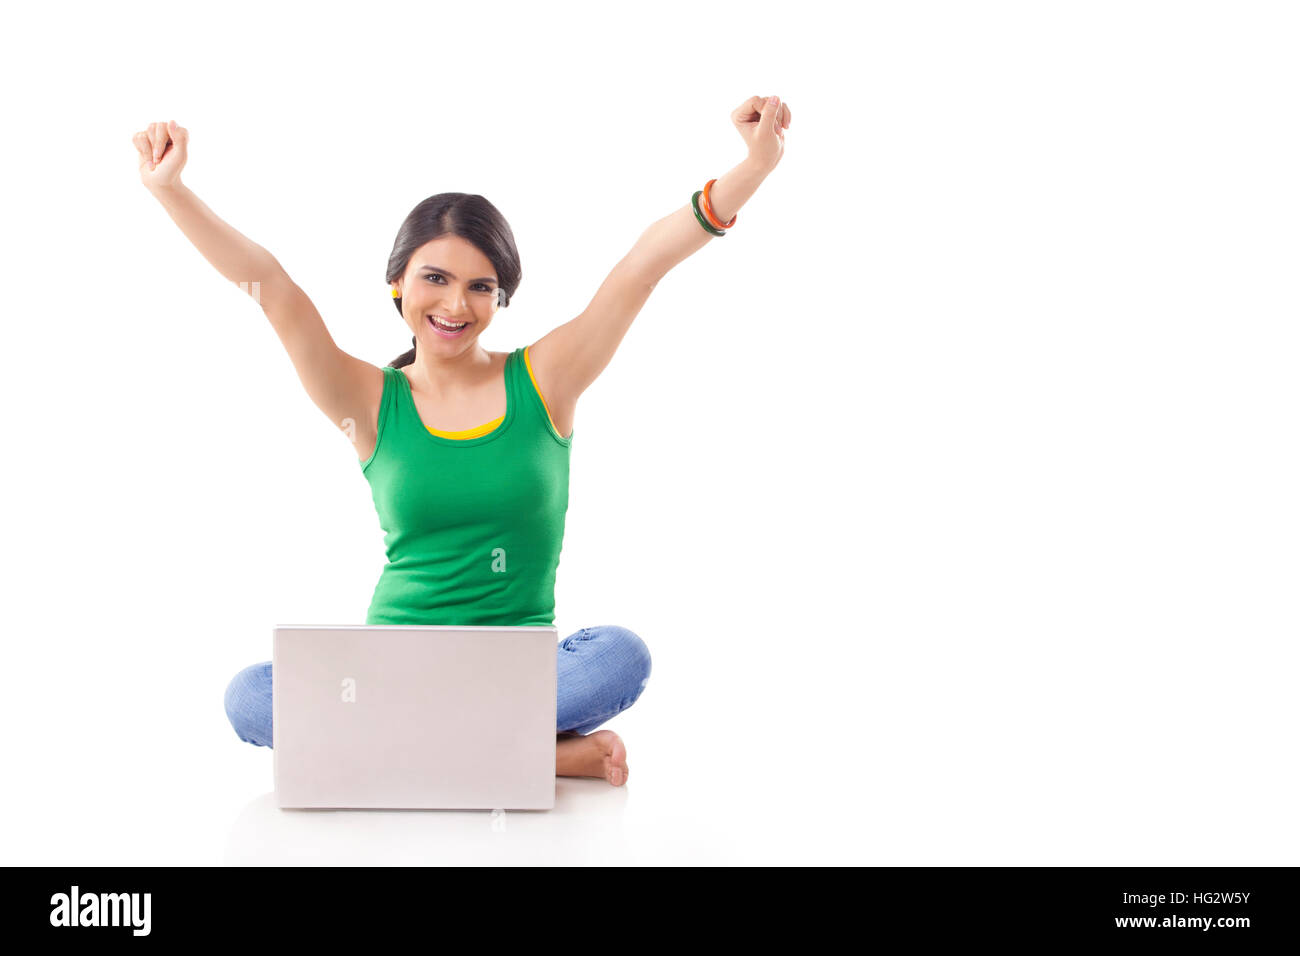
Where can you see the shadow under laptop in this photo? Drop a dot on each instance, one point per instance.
(586, 826)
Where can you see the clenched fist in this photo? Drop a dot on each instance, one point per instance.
(162, 149)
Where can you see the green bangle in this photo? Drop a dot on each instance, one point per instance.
(695, 204)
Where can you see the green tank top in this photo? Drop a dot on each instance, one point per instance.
(473, 526)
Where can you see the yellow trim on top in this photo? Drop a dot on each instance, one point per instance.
(529, 366)
(469, 432)
(478, 430)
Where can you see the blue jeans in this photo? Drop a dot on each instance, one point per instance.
(600, 672)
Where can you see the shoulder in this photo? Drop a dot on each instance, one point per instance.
(535, 359)
(538, 367)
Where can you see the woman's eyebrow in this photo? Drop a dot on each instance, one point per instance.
(452, 275)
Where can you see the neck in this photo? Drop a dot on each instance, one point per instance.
(451, 374)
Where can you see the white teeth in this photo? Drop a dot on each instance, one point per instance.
(448, 325)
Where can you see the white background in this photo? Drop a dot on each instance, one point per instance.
(954, 491)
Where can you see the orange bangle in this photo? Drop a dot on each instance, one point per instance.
(707, 208)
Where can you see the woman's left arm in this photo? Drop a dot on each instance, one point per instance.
(669, 241)
(571, 356)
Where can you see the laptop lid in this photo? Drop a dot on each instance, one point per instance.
(404, 717)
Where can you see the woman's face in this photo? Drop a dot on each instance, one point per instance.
(451, 279)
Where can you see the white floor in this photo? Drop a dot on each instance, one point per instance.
(910, 759)
(648, 820)
(592, 823)
(110, 803)
(683, 803)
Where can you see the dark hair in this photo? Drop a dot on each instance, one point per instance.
(472, 218)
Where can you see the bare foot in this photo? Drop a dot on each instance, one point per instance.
(598, 754)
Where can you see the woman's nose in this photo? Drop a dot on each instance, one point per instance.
(453, 298)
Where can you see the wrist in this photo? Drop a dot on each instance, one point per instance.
(164, 192)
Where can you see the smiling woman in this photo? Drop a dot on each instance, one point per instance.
(485, 240)
(486, 554)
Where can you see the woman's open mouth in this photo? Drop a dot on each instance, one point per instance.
(449, 329)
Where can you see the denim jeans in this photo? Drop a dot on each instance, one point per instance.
(600, 672)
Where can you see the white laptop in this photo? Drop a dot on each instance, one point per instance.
(399, 717)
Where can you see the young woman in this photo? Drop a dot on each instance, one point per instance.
(477, 541)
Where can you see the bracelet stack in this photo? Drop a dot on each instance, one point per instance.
(706, 217)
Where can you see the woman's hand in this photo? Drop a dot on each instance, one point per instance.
(761, 124)
(162, 149)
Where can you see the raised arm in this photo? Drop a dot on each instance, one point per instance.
(570, 357)
(680, 235)
(345, 388)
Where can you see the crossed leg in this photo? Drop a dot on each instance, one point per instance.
(600, 672)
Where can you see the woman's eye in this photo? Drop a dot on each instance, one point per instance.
(477, 285)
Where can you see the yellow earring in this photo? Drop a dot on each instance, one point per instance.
(396, 294)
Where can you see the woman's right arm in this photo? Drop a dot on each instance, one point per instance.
(345, 388)
(231, 253)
